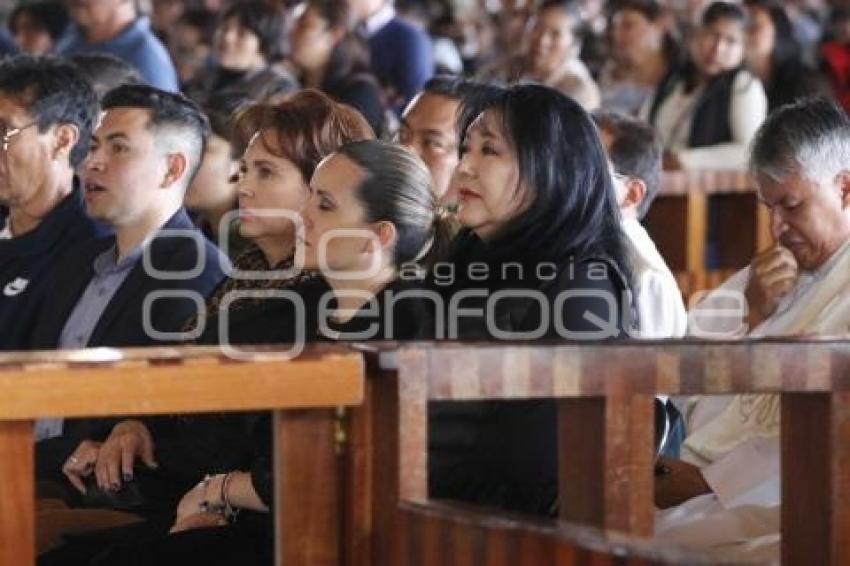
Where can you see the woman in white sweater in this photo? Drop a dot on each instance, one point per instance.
(707, 111)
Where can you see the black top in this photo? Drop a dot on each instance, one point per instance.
(26, 263)
(121, 324)
(388, 318)
(793, 80)
(504, 454)
(362, 92)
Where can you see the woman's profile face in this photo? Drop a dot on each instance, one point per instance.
(718, 47)
(237, 47)
(268, 184)
(486, 180)
(336, 234)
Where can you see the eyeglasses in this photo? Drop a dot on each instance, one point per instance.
(7, 136)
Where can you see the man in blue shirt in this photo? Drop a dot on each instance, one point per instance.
(401, 52)
(114, 27)
(47, 111)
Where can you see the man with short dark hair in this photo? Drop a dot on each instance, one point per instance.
(635, 154)
(141, 285)
(114, 27)
(47, 112)
(429, 127)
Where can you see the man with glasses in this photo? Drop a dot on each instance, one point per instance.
(47, 111)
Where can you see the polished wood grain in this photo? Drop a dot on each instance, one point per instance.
(308, 474)
(568, 370)
(17, 494)
(605, 395)
(80, 386)
(438, 534)
(305, 391)
(816, 478)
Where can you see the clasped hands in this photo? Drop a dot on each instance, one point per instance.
(112, 460)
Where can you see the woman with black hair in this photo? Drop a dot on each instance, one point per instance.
(539, 213)
(248, 42)
(776, 58)
(642, 53)
(330, 57)
(707, 111)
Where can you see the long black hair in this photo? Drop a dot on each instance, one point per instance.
(572, 212)
(715, 12)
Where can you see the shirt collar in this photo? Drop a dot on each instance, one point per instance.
(379, 19)
(107, 262)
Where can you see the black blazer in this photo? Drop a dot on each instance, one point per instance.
(29, 259)
(122, 322)
(121, 325)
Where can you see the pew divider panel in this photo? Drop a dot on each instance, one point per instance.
(816, 478)
(17, 494)
(307, 476)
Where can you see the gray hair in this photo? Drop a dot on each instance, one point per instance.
(809, 138)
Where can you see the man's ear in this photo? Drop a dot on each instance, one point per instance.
(843, 182)
(635, 193)
(66, 137)
(177, 163)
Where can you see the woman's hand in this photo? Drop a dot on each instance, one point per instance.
(129, 440)
(81, 463)
(208, 492)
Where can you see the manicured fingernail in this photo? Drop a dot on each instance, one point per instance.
(116, 486)
(128, 477)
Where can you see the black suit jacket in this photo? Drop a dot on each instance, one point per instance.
(122, 322)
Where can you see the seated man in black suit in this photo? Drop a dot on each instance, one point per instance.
(47, 112)
(115, 291)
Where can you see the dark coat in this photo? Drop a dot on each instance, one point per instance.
(121, 324)
(503, 454)
(26, 263)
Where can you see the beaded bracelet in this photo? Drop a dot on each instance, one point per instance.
(225, 509)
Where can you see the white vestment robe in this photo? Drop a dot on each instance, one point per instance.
(734, 439)
(661, 310)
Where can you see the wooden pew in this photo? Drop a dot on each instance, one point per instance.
(606, 477)
(436, 534)
(386, 524)
(677, 222)
(303, 393)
